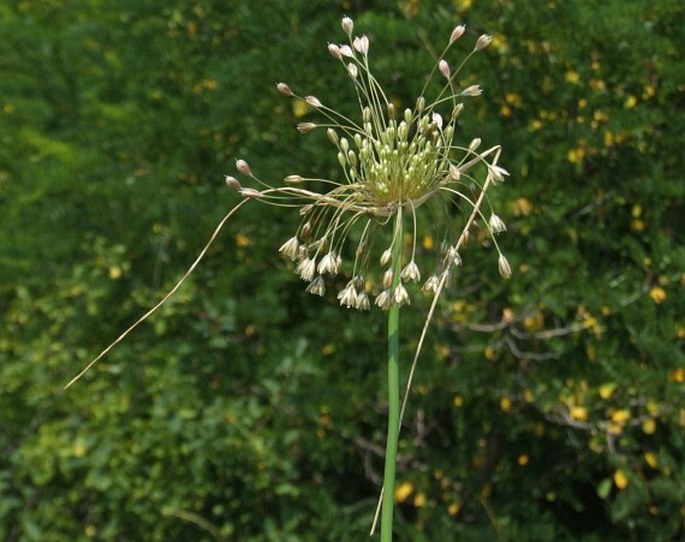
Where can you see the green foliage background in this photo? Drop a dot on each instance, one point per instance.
(548, 407)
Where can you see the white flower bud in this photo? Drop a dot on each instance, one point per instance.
(457, 33)
(504, 267)
(304, 127)
(313, 101)
(384, 299)
(346, 50)
(352, 70)
(250, 193)
(437, 119)
(243, 167)
(482, 42)
(444, 68)
(361, 45)
(293, 179)
(473, 90)
(454, 172)
(232, 183)
(334, 50)
(386, 257)
(347, 25)
(284, 89)
(475, 143)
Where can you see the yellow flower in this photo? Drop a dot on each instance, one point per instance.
(403, 491)
(578, 413)
(630, 102)
(572, 77)
(621, 479)
(658, 294)
(652, 459)
(621, 415)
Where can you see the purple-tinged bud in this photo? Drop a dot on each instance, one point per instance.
(250, 193)
(444, 68)
(232, 183)
(347, 25)
(457, 33)
(473, 90)
(482, 42)
(334, 50)
(243, 167)
(313, 101)
(284, 89)
(361, 45)
(346, 50)
(304, 127)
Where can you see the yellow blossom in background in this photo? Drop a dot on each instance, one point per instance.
(505, 404)
(522, 207)
(621, 479)
(677, 375)
(648, 92)
(651, 459)
(649, 426)
(453, 509)
(621, 415)
(458, 401)
(300, 109)
(630, 102)
(576, 155)
(572, 77)
(658, 294)
(597, 84)
(403, 491)
(463, 5)
(578, 413)
(420, 500)
(523, 460)
(242, 241)
(115, 272)
(607, 390)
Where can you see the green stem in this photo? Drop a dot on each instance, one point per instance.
(393, 390)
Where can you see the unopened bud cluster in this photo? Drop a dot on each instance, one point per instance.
(393, 162)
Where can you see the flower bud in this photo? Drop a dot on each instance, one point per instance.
(352, 70)
(313, 101)
(304, 127)
(232, 183)
(361, 45)
(482, 42)
(454, 172)
(243, 167)
(457, 33)
(444, 68)
(437, 119)
(473, 90)
(334, 50)
(332, 136)
(293, 179)
(504, 267)
(346, 50)
(347, 25)
(284, 89)
(250, 193)
(475, 143)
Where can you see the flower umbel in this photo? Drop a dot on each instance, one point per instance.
(392, 162)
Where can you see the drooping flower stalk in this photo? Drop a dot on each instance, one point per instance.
(394, 162)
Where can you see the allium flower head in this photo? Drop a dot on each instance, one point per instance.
(394, 161)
